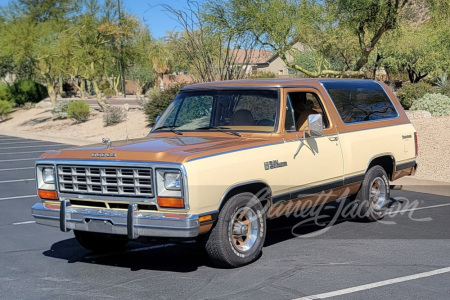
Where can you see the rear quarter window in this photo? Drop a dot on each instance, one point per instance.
(360, 101)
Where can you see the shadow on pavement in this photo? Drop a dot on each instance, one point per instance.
(181, 258)
(189, 256)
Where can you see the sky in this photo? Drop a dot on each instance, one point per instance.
(151, 13)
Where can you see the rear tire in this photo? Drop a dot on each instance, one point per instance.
(238, 235)
(374, 195)
(100, 242)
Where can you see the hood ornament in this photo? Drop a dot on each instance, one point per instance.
(107, 141)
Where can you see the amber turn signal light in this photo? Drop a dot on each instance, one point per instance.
(51, 195)
(171, 202)
(205, 218)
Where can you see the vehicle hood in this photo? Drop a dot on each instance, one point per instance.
(164, 149)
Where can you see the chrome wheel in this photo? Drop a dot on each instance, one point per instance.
(244, 228)
(378, 192)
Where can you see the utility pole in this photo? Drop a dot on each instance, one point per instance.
(121, 67)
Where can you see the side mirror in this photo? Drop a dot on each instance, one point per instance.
(157, 118)
(315, 125)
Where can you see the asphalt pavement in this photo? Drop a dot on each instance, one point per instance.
(406, 256)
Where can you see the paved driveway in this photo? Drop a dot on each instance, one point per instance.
(405, 257)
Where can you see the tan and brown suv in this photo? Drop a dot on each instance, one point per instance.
(226, 156)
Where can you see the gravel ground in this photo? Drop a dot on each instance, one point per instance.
(28, 123)
(37, 123)
(434, 148)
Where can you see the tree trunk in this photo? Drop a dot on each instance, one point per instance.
(138, 90)
(98, 93)
(88, 87)
(413, 76)
(83, 89)
(116, 85)
(61, 89)
(161, 81)
(357, 73)
(51, 91)
(377, 63)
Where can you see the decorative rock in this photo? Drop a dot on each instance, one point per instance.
(44, 104)
(418, 114)
(126, 107)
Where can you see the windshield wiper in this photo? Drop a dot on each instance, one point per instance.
(171, 128)
(220, 128)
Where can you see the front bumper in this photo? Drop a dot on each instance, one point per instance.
(131, 222)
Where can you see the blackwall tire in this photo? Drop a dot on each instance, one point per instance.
(373, 196)
(238, 235)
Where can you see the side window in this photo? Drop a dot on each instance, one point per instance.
(289, 123)
(360, 101)
(305, 104)
(261, 107)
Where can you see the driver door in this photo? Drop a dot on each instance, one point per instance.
(315, 162)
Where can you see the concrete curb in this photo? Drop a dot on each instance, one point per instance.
(423, 186)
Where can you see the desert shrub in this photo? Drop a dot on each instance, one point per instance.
(108, 93)
(78, 111)
(410, 92)
(60, 109)
(436, 104)
(158, 101)
(264, 74)
(142, 102)
(29, 105)
(114, 115)
(24, 91)
(5, 93)
(444, 88)
(103, 85)
(5, 109)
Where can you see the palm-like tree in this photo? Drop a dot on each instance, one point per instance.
(161, 62)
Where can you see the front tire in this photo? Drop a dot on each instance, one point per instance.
(238, 235)
(99, 242)
(373, 196)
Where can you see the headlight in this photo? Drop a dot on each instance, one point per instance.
(169, 183)
(45, 177)
(48, 175)
(172, 181)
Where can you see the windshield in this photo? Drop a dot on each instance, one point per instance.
(233, 110)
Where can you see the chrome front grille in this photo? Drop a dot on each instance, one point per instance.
(121, 181)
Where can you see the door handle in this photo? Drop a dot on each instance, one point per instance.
(333, 139)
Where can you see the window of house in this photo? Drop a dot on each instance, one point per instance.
(360, 101)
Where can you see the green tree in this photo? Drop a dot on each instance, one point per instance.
(161, 61)
(31, 39)
(42, 11)
(141, 66)
(419, 47)
(338, 36)
(212, 48)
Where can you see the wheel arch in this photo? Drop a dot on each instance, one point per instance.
(386, 161)
(256, 187)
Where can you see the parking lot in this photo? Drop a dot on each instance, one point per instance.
(405, 256)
